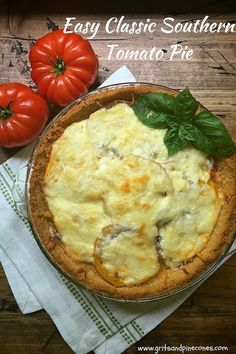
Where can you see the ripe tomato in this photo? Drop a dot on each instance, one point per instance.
(63, 66)
(23, 114)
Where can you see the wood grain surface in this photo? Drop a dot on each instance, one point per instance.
(208, 317)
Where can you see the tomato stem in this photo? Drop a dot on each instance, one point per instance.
(5, 112)
(59, 66)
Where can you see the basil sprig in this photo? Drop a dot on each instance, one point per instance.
(177, 114)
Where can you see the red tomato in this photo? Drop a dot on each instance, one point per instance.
(23, 114)
(63, 66)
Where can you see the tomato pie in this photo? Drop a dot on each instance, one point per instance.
(115, 212)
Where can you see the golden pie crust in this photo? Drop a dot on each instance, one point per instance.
(167, 280)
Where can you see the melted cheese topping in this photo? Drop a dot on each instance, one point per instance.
(113, 170)
(133, 249)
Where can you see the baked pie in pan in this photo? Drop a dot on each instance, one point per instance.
(114, 212)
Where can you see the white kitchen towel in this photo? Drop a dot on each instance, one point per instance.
(86, 321)
(25, 299)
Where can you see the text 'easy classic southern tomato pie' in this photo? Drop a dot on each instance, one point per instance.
(130, 209)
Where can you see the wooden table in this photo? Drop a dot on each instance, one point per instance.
(208, 317)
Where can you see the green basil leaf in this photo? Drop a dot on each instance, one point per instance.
(173, 141)
(153, 109)
(213, 137)
(160, 102)
(185, 106)
(171, 122)
(204, 143)
(205, 131)
(187, 131)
